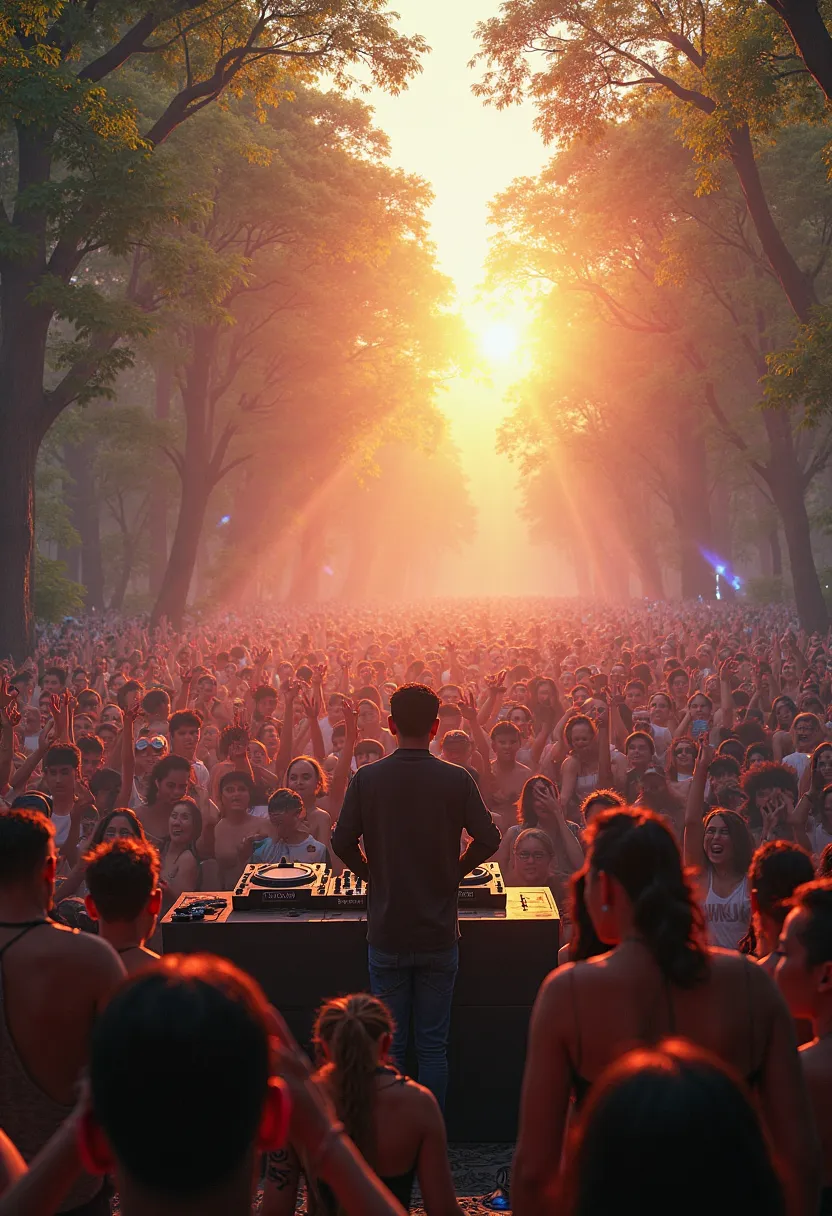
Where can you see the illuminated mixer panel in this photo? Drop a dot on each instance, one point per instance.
(296, 885)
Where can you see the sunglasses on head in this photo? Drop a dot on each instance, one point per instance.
(143, 744)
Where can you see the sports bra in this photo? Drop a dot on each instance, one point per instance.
(581, 1085)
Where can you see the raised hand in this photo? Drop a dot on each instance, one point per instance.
(310, 706)
(8, 695)
(319, 674)
(468, 706)
(350, 710)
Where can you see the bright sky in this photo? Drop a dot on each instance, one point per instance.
(469, 152)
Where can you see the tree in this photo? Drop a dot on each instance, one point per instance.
(665, 173)
(813, 41)
(89, 95)
(327, 281)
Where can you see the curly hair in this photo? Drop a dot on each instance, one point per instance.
(638, 849)
(777, 869)
(766, 776)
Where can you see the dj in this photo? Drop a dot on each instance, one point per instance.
(411, 809)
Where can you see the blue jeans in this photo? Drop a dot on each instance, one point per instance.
(424, 985)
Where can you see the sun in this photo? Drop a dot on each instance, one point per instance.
(499, 341)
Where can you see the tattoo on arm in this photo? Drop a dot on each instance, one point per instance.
(279, 1169)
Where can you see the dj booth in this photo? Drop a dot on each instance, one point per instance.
(303, 950)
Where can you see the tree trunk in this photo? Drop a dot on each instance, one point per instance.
(22, 427)
(776, 553)
(692, 512)
(795, 283)
(158, 519)
(811, 37)
(786, 483)
(128, 552)
(18, 454)
(195, 477)
(86, 519)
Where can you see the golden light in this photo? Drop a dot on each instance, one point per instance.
(499, 341)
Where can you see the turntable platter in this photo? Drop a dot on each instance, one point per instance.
(283, 876)
(476, 878)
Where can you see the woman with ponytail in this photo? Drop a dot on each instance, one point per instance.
(658, 978)
(395, 1124)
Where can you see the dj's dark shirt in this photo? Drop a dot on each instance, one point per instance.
(411, 809)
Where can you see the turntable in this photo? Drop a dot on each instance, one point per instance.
(282, 884)
(483, 888)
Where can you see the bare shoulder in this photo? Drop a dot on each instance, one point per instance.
(729, 967)
(85, 950)
(321, 816)
(569, 765)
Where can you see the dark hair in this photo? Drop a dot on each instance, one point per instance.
(585, 942)
(825, 863)
(742, 842)
(578, 720)
(766, 776)
(672, 766)
(62, 753)
(607, 798)
(526, 814)
(105, 821)
(750, 731)
(724, 766)
(286, 800)
(240, 778)
(777, 868)
(184, 717)
(454, 738)
(188, 1009)
(351, 1027)
(125, 690)
(640, 734)
(156, 701)
(816, 936)
(372, 745)
(33, 800)
(120, 877)
(761, 748)
(772, 718)
(730, 749)
(638, 849)
(196, 818)
(414, 708)
(262, 691)
(229, 735)
(90, 746)
(508, 729)
(24, 836)
(59, 672)
(634, 1139)
(161, 769)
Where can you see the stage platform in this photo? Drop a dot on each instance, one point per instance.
(301, 958)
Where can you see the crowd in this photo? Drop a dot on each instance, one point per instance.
(665, 769)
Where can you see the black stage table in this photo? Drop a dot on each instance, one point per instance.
(302, 958)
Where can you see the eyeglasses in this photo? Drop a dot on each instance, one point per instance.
(142, 745)
(531, 856)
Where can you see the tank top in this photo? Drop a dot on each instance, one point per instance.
(727, 916)
(27, 1115)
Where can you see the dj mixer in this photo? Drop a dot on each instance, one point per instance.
(288, 884)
